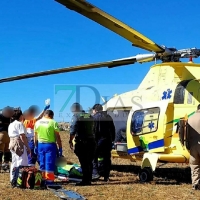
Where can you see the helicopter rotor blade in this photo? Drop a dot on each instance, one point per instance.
(109, 64)
(90, 11)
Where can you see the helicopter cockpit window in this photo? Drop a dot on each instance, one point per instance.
(179, 95)
(145, 121)
(189, 99)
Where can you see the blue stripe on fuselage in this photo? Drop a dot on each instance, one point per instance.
(156, 144)
(135, 150)
(152, 145)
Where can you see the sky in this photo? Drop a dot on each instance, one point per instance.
(40, 35)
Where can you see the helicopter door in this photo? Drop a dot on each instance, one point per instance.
(145, 127)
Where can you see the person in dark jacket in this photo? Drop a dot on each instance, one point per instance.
(81, 128)
(104, 131)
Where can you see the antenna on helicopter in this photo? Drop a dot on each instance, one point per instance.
(190, 60)
(103, 99)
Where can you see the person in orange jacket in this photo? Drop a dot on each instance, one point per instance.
(29, 124)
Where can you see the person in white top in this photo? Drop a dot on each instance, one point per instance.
(18, 142)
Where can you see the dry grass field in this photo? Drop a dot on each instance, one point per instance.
(171, 181)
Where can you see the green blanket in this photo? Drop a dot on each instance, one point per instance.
(70, 170)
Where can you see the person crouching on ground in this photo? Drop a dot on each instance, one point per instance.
(46, 134)
(29, 124)
(18, 142)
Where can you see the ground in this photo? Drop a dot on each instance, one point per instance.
(171, 181)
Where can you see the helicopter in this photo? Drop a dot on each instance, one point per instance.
(170, 91)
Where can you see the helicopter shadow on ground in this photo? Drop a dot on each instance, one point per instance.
(165, 175)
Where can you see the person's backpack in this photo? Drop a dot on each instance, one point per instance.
(86, 123)
(38, 179)
(21, 177)
(26, 177)
(30, 179)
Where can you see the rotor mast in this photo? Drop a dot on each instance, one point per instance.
(175, 55)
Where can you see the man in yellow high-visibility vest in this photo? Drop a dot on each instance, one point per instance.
(46, 135)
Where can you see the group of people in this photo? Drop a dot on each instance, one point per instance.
(26, 139)
(94, 135)
(90, 147)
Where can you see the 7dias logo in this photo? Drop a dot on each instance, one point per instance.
(78, 93)
(87, 96)
(66, 95)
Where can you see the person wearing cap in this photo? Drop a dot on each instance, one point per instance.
(104, 131)
(5, 118)
(81, 128)
(29, 124)
(46, 136)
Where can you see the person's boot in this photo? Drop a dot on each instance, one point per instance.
(1, 157)
(197, 186)
(95, 177)
(83, 183)
(43, 185)
(106, 179)
(6, 167)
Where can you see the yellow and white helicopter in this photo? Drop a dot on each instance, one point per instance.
(169, 91)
